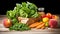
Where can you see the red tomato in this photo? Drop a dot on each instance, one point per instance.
(49, 15)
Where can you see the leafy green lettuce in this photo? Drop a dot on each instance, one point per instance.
(19, 27)
(26, 10)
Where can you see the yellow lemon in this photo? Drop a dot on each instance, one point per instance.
(46, 19)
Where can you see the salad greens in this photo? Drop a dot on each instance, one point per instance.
(10, 14)
(19, 27)
(14, 21)
(26, 10)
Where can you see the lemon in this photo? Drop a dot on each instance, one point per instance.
(46, 19)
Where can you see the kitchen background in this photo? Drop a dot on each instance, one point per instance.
(52, 6)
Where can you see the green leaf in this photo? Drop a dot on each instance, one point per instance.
(18, 5)
(27, 10)
(35, 15)
(10, 14)
(23, 14)
(19, 27)
(14, 21)
(23, 4)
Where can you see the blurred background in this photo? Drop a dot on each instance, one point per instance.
(52, 6)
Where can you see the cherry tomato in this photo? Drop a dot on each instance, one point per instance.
(49, 15)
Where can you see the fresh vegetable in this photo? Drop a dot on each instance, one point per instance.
(25, 16)
(19, 27)
(34, 25)
(35, 15)
(14, 21)
(49, 15)
(38, 25)
(26, 10)
(7, 23)
(41, 25)
(10, 14)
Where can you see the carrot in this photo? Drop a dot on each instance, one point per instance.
(41, 25)
(35, 24)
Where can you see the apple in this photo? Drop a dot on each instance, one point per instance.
(53, 23)
(49, 15)
(7, 23)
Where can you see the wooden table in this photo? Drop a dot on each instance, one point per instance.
(32, 31)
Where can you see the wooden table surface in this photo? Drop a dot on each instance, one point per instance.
(32, 31)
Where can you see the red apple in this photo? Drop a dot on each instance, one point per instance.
(7, 23)
(49, 15)
(53, 23)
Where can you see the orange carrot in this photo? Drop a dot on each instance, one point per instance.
(41, 25)
(35, 24)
